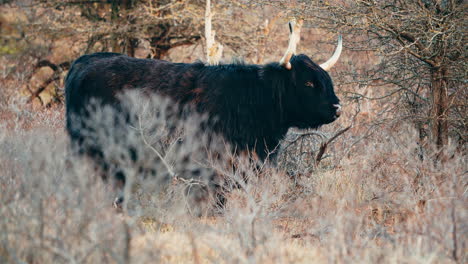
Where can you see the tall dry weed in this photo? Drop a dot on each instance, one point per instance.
(383, 199)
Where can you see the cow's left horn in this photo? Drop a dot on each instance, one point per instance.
(330, 62)
(294, 37)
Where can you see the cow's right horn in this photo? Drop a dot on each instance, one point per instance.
(330, 62)
(294, 37)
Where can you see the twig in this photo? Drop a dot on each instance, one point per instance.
(196, 256)
(189, 182)
(128, 242)
(324, 145)
(454, 233)
(299, 136)
(168, 167)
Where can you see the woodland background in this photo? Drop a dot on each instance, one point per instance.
(390, 187)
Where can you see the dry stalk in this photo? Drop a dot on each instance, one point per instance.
(324, 145)
(214, 50)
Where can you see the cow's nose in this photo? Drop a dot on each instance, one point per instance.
(338, 109)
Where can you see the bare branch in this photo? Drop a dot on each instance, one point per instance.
(145, 141)
(324, 145)
(214, 50)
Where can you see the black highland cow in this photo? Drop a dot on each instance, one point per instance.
(254, 105)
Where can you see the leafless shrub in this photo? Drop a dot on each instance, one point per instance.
(159, 147)
(383, 201)
(379, 195)
(387, 200)
(51, 204)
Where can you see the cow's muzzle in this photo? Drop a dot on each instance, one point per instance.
(337, 109)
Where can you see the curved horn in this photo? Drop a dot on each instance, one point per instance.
(330, 62)
(294, 37)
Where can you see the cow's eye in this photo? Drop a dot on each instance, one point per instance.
(310, 84)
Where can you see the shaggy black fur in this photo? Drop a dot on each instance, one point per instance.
(254, 105)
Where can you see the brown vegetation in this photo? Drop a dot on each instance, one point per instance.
(378, 192)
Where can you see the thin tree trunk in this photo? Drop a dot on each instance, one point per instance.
(115, 42)
(130, 43)
(440, 106)
(130, 46)
(159, 53)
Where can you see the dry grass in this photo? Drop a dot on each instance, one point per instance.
(385, 201)
(377, 197)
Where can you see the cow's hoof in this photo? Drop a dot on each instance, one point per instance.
(118, 204)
